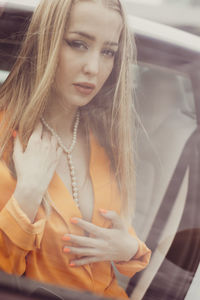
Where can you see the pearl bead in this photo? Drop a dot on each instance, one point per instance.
(75, 195)
(71, 167)
(68, 152)
(70, 163)
(72, 173)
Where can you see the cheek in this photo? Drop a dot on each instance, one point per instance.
(61, 76)
(62, 73)
(106, 71)
(64, 63)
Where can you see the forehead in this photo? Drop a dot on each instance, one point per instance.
(96, 19)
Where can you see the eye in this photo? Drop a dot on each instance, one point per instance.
(77, 44)
(109, 52)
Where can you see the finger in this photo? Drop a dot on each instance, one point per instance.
(17, 147)
(82, 251)
(89, 227)
(38, 129)
(46, 139)
(113, 217)
(85, 261)
(82, 241)
(37, 133)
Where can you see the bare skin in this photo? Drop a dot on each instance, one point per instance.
(89, 55)
(35, 168)
(115, 244)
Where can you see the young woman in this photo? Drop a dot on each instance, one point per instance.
(66, 172)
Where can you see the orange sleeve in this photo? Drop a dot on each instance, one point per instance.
(17, 237)
(138, 262)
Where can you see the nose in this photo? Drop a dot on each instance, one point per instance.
(92, 63)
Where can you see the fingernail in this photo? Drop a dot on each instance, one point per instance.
(72, 264)
(74, 221)
(14, 134)
(66, 238)
(103, 211)
(66, 250)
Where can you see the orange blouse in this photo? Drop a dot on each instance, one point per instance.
(37, 249)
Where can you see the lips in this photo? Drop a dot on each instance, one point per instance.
(85, 88)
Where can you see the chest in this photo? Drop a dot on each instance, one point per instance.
(83, 182)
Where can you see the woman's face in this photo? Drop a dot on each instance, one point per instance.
(87, 53)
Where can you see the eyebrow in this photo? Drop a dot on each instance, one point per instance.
(92, 38)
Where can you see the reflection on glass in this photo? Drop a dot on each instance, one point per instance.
(166, 105)
(67, 170)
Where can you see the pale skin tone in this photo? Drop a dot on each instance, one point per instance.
(89, 55)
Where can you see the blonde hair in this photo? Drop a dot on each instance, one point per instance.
(24, 94)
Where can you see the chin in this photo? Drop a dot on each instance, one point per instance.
(82, 101)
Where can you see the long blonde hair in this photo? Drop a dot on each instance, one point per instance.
(24, 94)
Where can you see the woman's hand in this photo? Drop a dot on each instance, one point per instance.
(35, 168)
(36, 165)
(114, 244)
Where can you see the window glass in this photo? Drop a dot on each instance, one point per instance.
(165, 104)
(82, 184)
(187, 2)
(3, 76)
(166, 121)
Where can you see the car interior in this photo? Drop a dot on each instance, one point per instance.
(166, 106)
(167, 171)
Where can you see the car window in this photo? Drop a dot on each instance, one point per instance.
(10, 43)
(3, 76)
(165, 103)
(167, 115)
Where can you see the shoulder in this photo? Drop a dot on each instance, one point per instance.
(7, 181)
(5, 151)
(7, 184)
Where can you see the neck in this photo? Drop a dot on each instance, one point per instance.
(60, 118)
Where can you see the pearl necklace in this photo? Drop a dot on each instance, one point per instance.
(68, 151)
